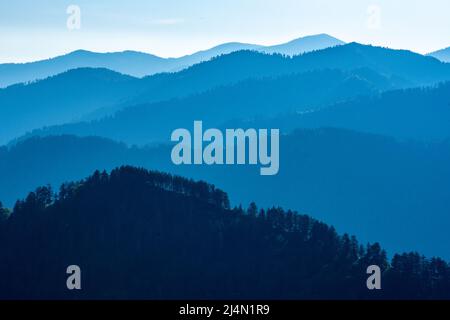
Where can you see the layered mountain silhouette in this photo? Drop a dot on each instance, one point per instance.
(302, 45)
(402, 68)
(421, 114)
(137, 234)
(154, 122)
(369, 185)
(307, 100)
(139, 64)
(127, 62)
(364, 146)
(379, 68)
(443, 55)
(60, 99)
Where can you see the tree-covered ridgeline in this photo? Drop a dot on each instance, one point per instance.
(150, 235)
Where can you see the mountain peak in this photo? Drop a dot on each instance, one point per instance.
(304, 44)
(78, 52)
(320, 36)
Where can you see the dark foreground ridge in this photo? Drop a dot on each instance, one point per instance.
(139, 234)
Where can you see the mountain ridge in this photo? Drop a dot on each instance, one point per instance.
(400, 69)
(140, 64)
(443, 55)
(362, 183)
(138, 226)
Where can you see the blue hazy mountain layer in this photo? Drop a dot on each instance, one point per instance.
(372, 186)
(443, 55)
(154, 122)
(60, 99)
(79, 93)
(127, 62)
(402, 68)
(140, 64)
(419, 113)
(302, 45)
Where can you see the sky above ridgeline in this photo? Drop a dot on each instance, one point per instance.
(38, 29)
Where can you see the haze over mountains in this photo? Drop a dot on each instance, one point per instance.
(139, 64)
(443, 55)
(367, 70)
(361, 183)
(365, 144)
(421, 114)
(323, 98)
(61, 98)
(154, 122)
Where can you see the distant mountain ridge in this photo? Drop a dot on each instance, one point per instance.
(416, 113)
(420, 114)
(386, 68)
(139, 64)
(265, 97)
(366, 184)
(302, 45)
(443, 55)
(62, 98)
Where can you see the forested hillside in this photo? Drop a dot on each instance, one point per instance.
(142, 234)
(375, 187)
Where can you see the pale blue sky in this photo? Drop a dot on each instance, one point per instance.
(33, 29)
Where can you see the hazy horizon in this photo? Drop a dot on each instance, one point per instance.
(173, 29)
